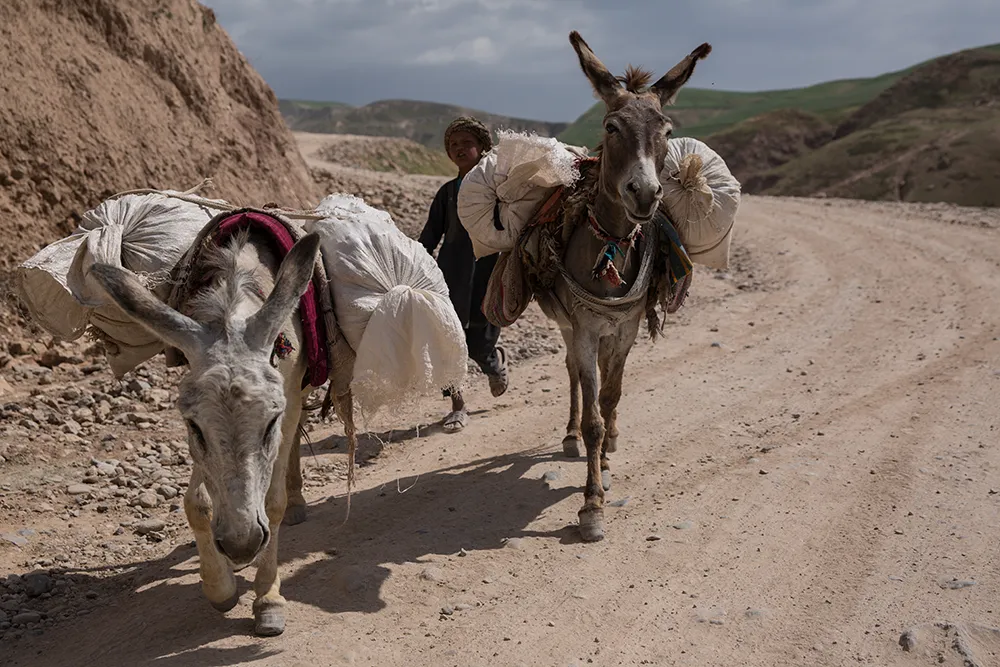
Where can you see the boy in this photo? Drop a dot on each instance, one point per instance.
(465, 140)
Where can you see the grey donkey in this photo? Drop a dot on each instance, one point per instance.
(242, 412)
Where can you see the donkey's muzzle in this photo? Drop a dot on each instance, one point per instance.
(641, 198)
(241, 547)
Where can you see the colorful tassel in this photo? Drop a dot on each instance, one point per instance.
(282, 348)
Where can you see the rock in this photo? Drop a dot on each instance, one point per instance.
(148, 500)
(956, 584)
(37, 583)
(653, 538)
(14, 539)
(51, 358)
(621, 502)
(515, 543)
(26, 617)
(434, 574)
(104, 469)
(447, 610)
(137, 386)
(908, 640)
(684, 525)
(551, 476)
(18, 348)
(79, 489)
(168, 492)
(150, 526)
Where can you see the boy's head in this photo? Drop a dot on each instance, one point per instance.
(465, 141)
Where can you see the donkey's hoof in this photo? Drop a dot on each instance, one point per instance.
(592, 524)
(294, 515)
(226, 605)
(270, 621)
(571, 446)
(612, 445)
(606, 479)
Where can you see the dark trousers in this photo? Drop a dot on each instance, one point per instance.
(480, 336)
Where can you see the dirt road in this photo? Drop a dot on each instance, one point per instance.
(808, 468)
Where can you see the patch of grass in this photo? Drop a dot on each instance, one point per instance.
(700, 112)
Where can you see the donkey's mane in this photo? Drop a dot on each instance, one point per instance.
(228, 282)
(636, 79)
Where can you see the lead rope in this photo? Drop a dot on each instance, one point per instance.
(605, 267)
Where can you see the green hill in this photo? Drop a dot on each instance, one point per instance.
(701, 112)
(934, 135)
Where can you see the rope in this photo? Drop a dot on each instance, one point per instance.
(612, 308)
(190, 197)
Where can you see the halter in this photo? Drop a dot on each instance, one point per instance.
(605, 267)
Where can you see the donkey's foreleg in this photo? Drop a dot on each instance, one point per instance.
(612, 356)
(295, 509)
(571, 443)
(269, 605)
(217, 579)
(592, 514)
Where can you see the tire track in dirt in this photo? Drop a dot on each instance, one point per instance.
(791, 572)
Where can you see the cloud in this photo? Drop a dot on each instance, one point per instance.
(513, 56)
(480, 50)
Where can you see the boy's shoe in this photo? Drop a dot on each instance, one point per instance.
(498, 382)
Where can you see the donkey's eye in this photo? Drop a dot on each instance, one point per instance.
(271, 427)
(669, 132)
(610, 129)
(197, 435)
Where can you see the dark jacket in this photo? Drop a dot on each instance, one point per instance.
(466, 277)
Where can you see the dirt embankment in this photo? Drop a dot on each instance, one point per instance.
(100, 96)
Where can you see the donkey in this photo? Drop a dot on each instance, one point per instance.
(242, 413)
(607, 216)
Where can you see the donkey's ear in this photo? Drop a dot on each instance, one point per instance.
(293, 278)
(666, 88)
(161, 320)
(604, 82)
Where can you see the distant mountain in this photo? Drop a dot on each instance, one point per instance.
(699, 112)
(423, 122)
(934, 135)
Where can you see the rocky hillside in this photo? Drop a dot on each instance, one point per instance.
(387, 154)
(932, 136)
(759, 144)
(423, 122)
(101, 96)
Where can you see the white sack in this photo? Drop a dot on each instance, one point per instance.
(392, 304)
(701, 197)
(146, 234)
(521, 172)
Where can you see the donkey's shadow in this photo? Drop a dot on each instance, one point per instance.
(152, 618)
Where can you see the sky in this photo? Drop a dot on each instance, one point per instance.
(513, 57)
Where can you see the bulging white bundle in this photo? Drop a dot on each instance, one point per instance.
(144, 233)
(520, 173)
(391, 303)
(701, 197)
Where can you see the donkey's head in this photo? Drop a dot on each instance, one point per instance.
(232, 400)
(634, 142)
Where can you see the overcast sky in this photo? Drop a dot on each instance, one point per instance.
(513, 57)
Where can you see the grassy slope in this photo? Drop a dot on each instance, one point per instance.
(933, 136)
(700, 112)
